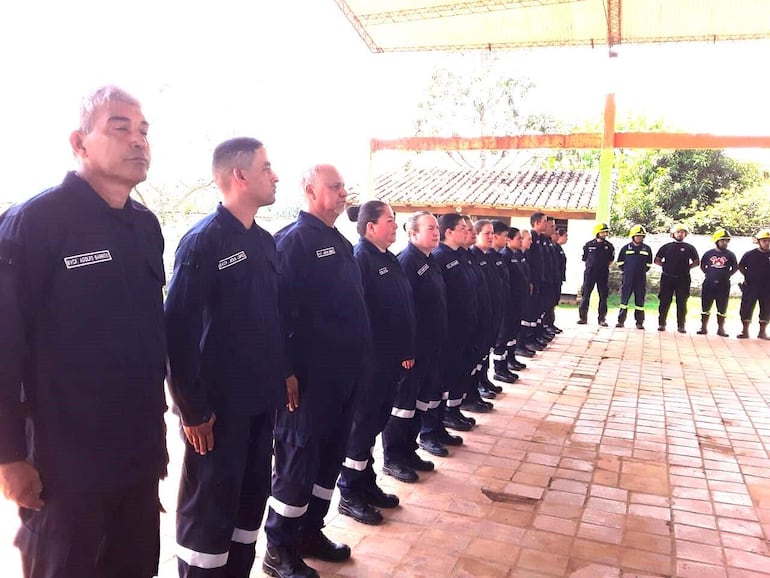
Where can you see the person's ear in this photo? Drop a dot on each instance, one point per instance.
(77, 144)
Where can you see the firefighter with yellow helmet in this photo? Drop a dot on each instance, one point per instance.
(598, 255)
(755, 266)
(676, 258)
(634, 260)
(718, 265)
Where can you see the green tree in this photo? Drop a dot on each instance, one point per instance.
(475, 94)
(678, 185)
(741, 213)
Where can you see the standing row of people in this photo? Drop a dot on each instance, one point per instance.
(676, 258)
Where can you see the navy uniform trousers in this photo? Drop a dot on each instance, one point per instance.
(309, 447)
(633, 282)
(104, 534)
(222, 498)
(374, 406)
(599, 278)
(670, 287)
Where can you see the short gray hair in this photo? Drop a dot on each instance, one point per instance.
(411, 225)
(100, 97)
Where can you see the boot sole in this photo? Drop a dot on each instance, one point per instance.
(345, 512)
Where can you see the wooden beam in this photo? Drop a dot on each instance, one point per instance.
(663, 140)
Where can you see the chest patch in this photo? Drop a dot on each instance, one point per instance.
(421, 270)
(84, 259)
(383, 271)
(232, 260)
(452, 264)
(327, 252)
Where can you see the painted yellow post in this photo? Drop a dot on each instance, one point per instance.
(606, 161)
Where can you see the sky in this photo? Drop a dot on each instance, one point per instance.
(295, 74)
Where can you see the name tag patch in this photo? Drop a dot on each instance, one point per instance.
(325, 252)
(383, 271)
(452, 264)
(93, 258)
(421, 270)
(232, 260)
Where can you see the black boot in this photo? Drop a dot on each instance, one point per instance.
(502, 373)
(721, 326)
(704, 321)
(745, 333)
(285, 562)
(763, 330)
(621, 317)
(314, 544)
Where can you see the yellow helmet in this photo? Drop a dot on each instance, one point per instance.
(601, 228)
(637, 230)
(762, 234)
(679, 227)
(720, 234)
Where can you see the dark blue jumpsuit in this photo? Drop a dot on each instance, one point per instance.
(225, 357)
(755, 266)
(534, 305)
(83, 363)
(324, 314)
(522, 308)
(597, 256)
(675, 279)
(421, 388)
(458, 357)
(718, 267)
(487, 287)
(389, 303)
(509, 325)
(634, 261)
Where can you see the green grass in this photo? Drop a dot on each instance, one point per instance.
(651, 306)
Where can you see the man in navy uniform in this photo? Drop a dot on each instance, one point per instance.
(598, 255)
(718, 265)
(83, 362)
(227, 366)
(676, 258)
(323, 308)
(755, 266)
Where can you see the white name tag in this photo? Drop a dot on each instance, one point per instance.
(232, 260)
(452, 264)
(421, 270)
(325, 252)
(84, 259)
(383, 270)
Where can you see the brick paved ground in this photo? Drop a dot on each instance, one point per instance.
(620, 453)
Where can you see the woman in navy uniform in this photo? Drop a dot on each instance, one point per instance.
(417, 408)
(388, 296)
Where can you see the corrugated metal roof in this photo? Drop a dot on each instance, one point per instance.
(556, 190)
(407, 25)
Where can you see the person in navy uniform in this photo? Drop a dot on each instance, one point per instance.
(522, 289)
(417, 408)
(537, 257)
(83, 362)
(390, 305)
(226, 366)
(718, 264)
(755, 266)
(598, 255)
(328, 339)
(676, 258)
(634, 260)
(459, 353)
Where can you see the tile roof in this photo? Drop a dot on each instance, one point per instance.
(565, 190)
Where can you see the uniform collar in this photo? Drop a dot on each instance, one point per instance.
(306, 218)
(370, 247)
(86, 194)
(229, 220)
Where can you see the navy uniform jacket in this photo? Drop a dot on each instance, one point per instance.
(225, 342)
(490, 262)
(634, 260)
(755, 266)
(535, 258)
(322, 302)
(461, 295)
(519, 277)
(389, 301)
(82, 334)
(718, 266)
(598, 254)
(676, 257)
(561, 264)
(429, 294)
